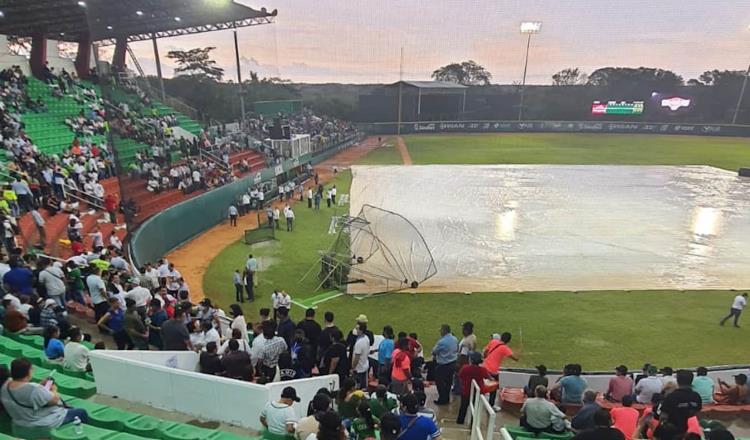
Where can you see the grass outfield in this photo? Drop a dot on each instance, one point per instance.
(580, 149)
(597, 329)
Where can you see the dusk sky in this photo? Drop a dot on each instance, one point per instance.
(357, 41)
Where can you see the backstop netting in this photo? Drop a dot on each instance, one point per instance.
(259, 235)
(377, 251)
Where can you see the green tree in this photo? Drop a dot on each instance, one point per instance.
(719, 78)
(641, 77)
(196, 62)
(467, 73)
(569, 77)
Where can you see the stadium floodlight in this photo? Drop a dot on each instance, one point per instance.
(82, 4)
(530, 28)
(2, 14)
(177, 19)
(109, 28)
(139, 13)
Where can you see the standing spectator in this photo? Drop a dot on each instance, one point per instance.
(625, 417)
(268, 356)
(278, 417)
(141, 296)
(52, 278)
(239, 295)
(286, 326)
(619, 386)
(360, 356)
(238, 320)
(401, 371)
(540, 415)
(276, 217)
(385, 356)
(311, 328)
(134, 325)
(156, 317)
(704, 385)
(472, 372)
(39, 222)
(324, 341)
(110, 204)
(334, 359)
(174, 333)
(739, 303)
(445, 354)
(466, 346)
(494, 353)
(232, 215)
(113, 322)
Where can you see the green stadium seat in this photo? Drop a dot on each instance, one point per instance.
(183, 431)
(67, 432)
(267, 435)
(222, 435)
(30, 433)
(110, 418)
(518, 431)
(147, 426)
(75, 387)
(125, 436)
(4, 437)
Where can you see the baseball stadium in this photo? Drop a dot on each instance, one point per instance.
(338, 220)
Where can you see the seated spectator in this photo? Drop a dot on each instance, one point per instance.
(601, 430)
(704, 385)
(572, 385)
(348, 399)
(424, 411)
(584, 418)
(278, 417)
(540, 378)
(733, 394)
(667, 378)
(236, 363)
(390, 427)
(14, 320)
(625, 417)
(365, 425)
(648, 386)
(414, 426)
(330, 428)
(54, 348)
(540, 415)
(236, 335)
(381, 403)
(210, 362)
(76, 356)
(321, 403)
(32, 405)
(619, 386)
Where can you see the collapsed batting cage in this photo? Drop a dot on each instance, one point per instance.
(377, 251)
(259, 235)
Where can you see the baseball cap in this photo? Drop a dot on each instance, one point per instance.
(290, 393)
(362, 319)
(50, 302)
(135, 281)
(496, 336)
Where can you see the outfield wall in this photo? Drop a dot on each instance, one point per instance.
(555, 127)
(184, 221)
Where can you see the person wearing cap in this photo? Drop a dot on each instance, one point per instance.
(360, 356)
(321, 403)
(279, 417)
(48, 317)
(141, 296)
(473, 372)
(619, 386)
(648, 386)
(733, 394)
(681, 404)
(704, 385)
(351, 338)
(445, 354)
(739, 303)
(414, 426)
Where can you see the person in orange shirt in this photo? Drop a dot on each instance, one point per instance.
(494, 353)
(401, 371)
(625, 417)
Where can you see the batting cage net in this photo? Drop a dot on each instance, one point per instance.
(377, 251)
(259, 235)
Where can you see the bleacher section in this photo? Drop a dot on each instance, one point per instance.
(48, 129)
(105, 422)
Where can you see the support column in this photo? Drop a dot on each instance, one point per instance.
(158, 67)
(118, 59)
(83, 57)
(419, 103)
(239, 79)
(38, 54)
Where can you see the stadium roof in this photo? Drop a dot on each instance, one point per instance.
(432, 84)
(106, 20)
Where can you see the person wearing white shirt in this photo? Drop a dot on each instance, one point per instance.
(163, 270)
(279, 417)
(53, 279)
(98, 190)
(245, 207)
(360, 356)
(739, 303)
(76, 355)
(309, 197)
(141, 296)
(152, 275)
(97, 238)
(114, 240)
(289, 214)
(244, 346)
(276, 217)
(648, 386)
(333, 195)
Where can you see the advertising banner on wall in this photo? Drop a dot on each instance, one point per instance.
(617, 108)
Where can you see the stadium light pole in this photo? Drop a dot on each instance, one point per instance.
(529, 28)
(239, 79)
(739, 98)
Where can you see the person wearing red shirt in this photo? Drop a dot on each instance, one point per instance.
(625, 417)
(77, 247)
(401, 370)
(471, 372)
(494, 353)
(110, 203)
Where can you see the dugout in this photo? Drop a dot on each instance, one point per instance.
(420, 101)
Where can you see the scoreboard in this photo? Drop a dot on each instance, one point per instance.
(617, 108)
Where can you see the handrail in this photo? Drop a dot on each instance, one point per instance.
(477, 403)
(202, 153)
(71, 191)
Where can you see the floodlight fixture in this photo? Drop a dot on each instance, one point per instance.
(531, 27)
(2, 14)
(177, 19)
(109, 28)
(82, 4)
(139, 13)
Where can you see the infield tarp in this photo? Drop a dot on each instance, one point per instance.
(516, 227)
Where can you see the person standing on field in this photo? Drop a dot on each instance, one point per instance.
(276, 217)
(289, 213)
(232, 215)
(739, 303)
(309, 197)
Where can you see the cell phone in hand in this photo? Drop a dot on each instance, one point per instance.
(48, 384)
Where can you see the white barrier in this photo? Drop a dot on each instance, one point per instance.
(145, 377)
(600, 382)
(479, 406)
